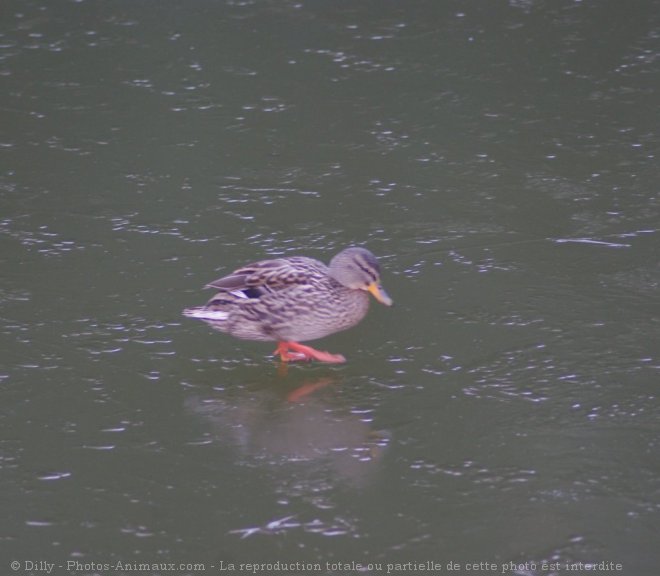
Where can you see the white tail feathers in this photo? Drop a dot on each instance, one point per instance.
(205, 314)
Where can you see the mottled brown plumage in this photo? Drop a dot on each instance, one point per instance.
(294, 299)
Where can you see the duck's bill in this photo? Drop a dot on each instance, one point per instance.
(380, 294)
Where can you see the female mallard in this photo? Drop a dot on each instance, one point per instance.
(294, 299)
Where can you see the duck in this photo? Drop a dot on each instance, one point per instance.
(295, 299)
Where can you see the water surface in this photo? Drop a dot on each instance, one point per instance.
(499, 158)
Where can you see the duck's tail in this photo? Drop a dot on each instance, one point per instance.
(204, 313)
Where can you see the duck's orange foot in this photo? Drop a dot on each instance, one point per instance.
(294, 352)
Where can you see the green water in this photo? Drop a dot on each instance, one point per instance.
(501, 161)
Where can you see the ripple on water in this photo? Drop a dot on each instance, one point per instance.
(39, 523)
(468, 477)
(51, 476)
(346, 61)
(108, 338)
(42, 239)
(522, 373)
(336, 526)
(132, 223)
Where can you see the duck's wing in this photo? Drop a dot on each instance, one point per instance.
(268, 276)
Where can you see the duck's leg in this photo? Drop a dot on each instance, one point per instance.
(313, 354)
(293, 351)
(286, 356)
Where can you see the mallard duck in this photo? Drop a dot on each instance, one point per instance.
(295, 299)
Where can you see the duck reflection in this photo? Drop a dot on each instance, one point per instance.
(307, 423)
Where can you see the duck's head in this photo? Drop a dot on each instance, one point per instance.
(358, 269)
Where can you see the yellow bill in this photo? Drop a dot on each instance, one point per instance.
(380, 294)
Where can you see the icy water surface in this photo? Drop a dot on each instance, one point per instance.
(499, 158)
